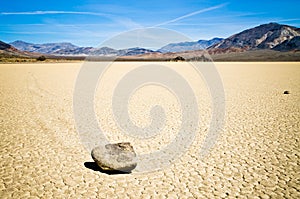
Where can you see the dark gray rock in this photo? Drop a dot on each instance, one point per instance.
(286, 92)
(178, 58)
(115, 157)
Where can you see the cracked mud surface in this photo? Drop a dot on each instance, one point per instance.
(256, 156)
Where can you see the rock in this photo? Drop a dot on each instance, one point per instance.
(286, 92)
(178, 58)
(115, 157)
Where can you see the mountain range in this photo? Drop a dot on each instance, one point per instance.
(272, 36)
(66, 49)
(71, 49)
(186, 46)
(47, 48)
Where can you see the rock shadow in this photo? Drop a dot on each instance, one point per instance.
(93, 166)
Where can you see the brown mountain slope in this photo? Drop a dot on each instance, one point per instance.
(266, 36)
(7, 50)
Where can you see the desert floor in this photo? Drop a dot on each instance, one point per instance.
(255, 156)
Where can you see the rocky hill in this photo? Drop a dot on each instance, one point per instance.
(292, 44)
(266, 36)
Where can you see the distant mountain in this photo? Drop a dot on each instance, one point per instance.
(134, 51)
(104, 51)
(84, 51)
(7, 50)
(186, 46)
(68, 49)
(48, 48)
(266, 36)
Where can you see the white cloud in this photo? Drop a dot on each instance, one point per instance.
(53, 12)
(192, 14)
(127, 22)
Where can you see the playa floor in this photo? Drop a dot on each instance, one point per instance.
(256, 154)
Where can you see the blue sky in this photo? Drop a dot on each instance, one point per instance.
(90, 22)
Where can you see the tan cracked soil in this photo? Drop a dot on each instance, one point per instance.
(256, 155)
